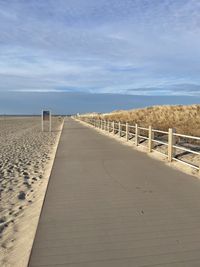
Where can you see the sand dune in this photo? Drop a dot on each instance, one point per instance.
(26, 156)
(186, 119)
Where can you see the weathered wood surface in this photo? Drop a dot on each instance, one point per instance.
(108, 205)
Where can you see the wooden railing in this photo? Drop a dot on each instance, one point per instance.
(170, 141)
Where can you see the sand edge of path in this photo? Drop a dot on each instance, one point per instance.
(19, 256)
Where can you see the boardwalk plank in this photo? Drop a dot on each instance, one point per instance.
(108, 205)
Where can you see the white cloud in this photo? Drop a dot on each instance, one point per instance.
(99, 46)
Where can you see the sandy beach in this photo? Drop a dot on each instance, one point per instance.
(26, 157)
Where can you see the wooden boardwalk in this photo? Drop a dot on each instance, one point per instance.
(108, 205)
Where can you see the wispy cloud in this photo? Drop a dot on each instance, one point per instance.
(138, 46)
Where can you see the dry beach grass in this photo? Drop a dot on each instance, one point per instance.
(26, 156)
(186, 119)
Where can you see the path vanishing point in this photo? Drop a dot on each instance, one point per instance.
(108, 205)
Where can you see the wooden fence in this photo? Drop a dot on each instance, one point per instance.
(174, 145)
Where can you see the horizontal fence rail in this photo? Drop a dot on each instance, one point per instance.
(170, 141)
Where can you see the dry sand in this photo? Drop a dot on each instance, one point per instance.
(26, 157)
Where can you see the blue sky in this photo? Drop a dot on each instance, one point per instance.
(143, 47)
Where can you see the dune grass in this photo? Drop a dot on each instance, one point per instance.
(185, 119)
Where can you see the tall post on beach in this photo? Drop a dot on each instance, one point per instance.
(42, 122)
(127, 132)
(49, 121)
(119, 129)
(113, 126)
(136, 135)
(46, 116)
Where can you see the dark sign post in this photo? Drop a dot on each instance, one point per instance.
(46, 117)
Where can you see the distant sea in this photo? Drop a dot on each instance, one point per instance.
(31, 103)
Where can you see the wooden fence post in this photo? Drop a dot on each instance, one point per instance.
(171, 142)
(127, 132)
(113, 127)
(119, 129)
(151, 137)
(136, 135)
